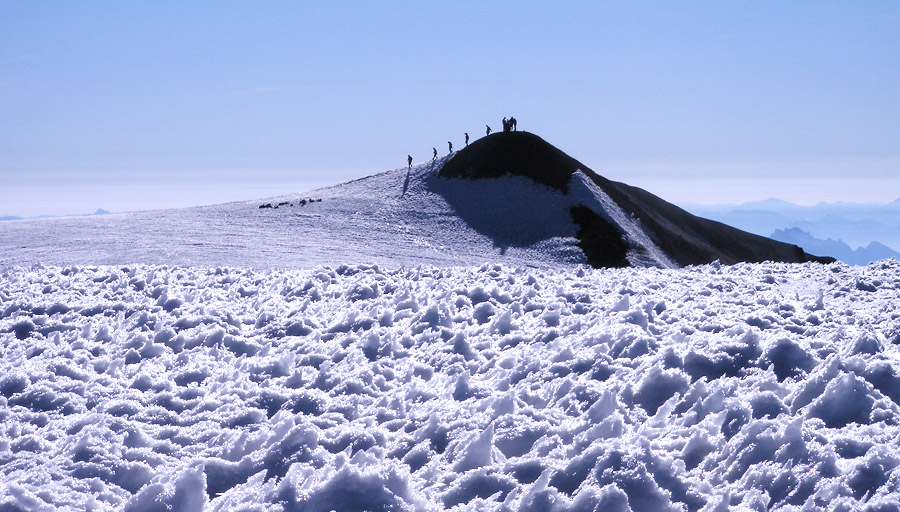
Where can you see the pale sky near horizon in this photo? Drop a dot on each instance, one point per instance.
(128, 105)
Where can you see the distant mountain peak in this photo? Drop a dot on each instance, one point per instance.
(772, 201)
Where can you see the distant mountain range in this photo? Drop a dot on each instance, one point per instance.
(835, 248)
(872, 228)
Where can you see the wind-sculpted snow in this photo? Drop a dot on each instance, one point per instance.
(753, 387)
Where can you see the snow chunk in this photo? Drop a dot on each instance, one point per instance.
(847, 399)
(353, 487)
(658, 386)
(478, 452)
(183, 492)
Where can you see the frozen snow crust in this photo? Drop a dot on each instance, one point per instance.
(752, 387)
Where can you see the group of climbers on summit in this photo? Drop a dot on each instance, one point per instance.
(509, 125)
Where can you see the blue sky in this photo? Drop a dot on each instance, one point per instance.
(136, 105)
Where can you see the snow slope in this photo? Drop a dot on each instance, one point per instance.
(146, 387)
(643, 251)
(392, 219)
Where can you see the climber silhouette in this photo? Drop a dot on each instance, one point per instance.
(450, 146)
(409, 161)
(512, 123)
(435, 154)
(488, 130)
(467, 138)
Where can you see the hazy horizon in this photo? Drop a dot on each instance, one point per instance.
(156, 198)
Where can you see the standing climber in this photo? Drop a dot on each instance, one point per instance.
(512, 123)
(409, 161)
(435, 154)
(467, 138)
(488, 129)
(450, 145)
(505, 125)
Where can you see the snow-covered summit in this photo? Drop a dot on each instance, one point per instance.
(508, 198)
(654, 232)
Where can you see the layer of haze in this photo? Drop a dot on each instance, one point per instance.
(130, 105)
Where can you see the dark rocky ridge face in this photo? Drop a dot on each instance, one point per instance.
(685, 238)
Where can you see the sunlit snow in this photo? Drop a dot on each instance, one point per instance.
(350, 388)
(395, 218)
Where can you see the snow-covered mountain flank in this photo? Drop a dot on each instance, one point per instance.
(507, 198)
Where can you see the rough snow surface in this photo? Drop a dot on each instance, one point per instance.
(752, 387)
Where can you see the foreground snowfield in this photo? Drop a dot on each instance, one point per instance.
(768, 386)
